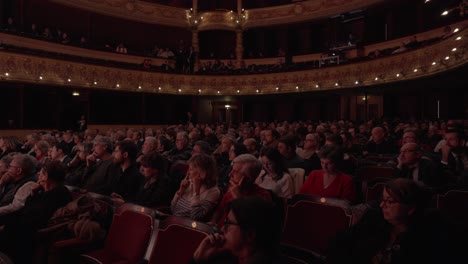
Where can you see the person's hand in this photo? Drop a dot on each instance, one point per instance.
(90, 159)
(210, 246)
(74, 161)
(196, 183)
(36, 187)
(399, 163)
(445, 152)
(183, 185)
(234, 188)
(117, 199)
(6, 178)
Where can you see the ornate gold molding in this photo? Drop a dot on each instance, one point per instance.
(159, 14)
(442, 56)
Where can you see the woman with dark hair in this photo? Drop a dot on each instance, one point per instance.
(48, 194)
(330, 181)
(251, 234)
(400, 232)
(155, 190)
(275, 175)
(198, 194)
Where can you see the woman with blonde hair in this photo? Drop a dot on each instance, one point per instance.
(198, 194)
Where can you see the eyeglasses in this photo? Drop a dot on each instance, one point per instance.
(388, 202)
(228, 222)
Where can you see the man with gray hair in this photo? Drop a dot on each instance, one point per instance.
(16, 183)
(245, 169)
(98, 175)
(150, 144)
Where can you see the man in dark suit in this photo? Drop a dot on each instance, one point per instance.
(413, 165)
(60, 152)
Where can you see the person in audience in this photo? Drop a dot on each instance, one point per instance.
(48, 194)
(77, 166)
(400, 231)
(271, 138)
(100, 171)
(16, 183)
(201, 146)
(181, 151)
(454, 158)
(251, 145)
(287, 149)
(8, 145)
(275, 175)
(4, 165)
(60, 152)
(198, 194)
(412, 165)
(221, 154)
(378, 144)
(330, 181)
(251, 234)
(150, 144)
(224, 172)
(155, 189)
(127, 178)
(28, 146)
(245, 169)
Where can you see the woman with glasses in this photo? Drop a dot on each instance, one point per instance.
(400, 231)
(251, 234)
(198, 194)
(330, 181)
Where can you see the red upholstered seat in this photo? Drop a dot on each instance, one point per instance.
(177, 239)
(128, 237)
(311, 223)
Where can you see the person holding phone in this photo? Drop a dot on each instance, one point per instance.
(251, 234)
(245, 169)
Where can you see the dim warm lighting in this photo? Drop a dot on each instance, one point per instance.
(356, 82)
(40, 77)
(76, 94)
(227, 106)
(199, 90)
(238, 91)
(95, 82)
(447, 58)
(316, 86)
(444, 13)
(415, 70)
(336, 84)
(218, 92)
(118, 85)
(257, 91)
(454, 49)
(277, 88)
(159, 88)
(397, 75)
(456, 30)
(434, 63)
(139, 86)
(376, 78)
(7, 74)
(69, 80)
(458, 38)
(297, 87)
(180, 90)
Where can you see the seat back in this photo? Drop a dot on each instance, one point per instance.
(372, 174)
(454, 205)
(313, 221)
(177, 239)
(130, 232)
(374, 192)
(298, 177)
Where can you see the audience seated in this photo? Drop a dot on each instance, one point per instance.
(127, 177)
(155, 191)
(100, 170)
(47, 195)
(198, 194)
(275, 175)
(330, 181)
(251, 234)
(400, 231)
(245, 170)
